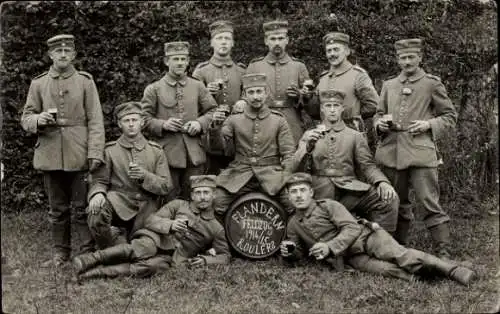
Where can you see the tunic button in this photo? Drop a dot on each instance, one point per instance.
(138, 195)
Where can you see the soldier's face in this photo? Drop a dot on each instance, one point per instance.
(222, 43)
(131, 124)
(256, 96)
(177, 64)
(336, 53)
(62, 57)
(332, 111)
(300, 195)
(276, 43)
(409, 62)
(202, 197)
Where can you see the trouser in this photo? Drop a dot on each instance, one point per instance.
(66, 191)
(366, 204)
(180, 179)
(104, 224)
(425, 183)
(215, 163)
(223, 198)
(384, 255)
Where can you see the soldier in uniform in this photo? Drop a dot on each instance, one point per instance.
(180, 233)
(413, 112)
(64, 110)
(126, 189)
(222, 76)
(361, 98)
(262, 145)
(325, 229)
(285, 75)
(337, 155)
(178, 110)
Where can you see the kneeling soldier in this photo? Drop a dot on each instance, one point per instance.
(328, 231)
(181, 232)
(126, 189)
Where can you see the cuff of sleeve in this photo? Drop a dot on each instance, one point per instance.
(94, 192)
(95, 154)
(335, 250)
(148, 182)
(156, 126)
(435, 129)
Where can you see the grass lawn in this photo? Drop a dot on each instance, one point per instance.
(250, 286)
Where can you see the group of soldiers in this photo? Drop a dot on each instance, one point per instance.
(142, 205)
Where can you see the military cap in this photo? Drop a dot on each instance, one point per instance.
(408, 45)
(127, 108)
(275, 27)
(202, 181)
(331, 95)
(221, 26)
(336, 37)
(177, 48)
(254, 79)
(299, 177)
(63, 40)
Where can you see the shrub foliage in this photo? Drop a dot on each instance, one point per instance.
(121, 45)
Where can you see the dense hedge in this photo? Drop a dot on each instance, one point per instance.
(121, 44)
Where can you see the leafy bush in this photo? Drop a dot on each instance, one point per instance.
(121, 45)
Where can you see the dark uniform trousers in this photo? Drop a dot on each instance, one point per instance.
(67, 193)
(180, 179)
(366, 204)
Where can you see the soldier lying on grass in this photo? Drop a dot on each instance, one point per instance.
(329, 231)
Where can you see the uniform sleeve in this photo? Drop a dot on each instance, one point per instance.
(297, 158)
(161, 221)
(364, 160)
(219, 244)
(100, 178)
(206, 105)
(150, 108)
(311, 105)
(348, 226)
(286, 144)
(303, 74)
(198, 74)
(32, 109)
(382, 105)
(291, 235)
(95, 121)
(159, 182)
(367, 95)
(221, 137)
(446, 115)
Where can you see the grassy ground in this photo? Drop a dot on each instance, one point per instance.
(250, 287)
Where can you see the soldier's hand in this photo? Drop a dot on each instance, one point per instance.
(96, 203)
(239, 106)
(418, 126)
(319, 250)
(284, 248)
(136, 172)
(386, 191)
(45, 118)
(192, 127)
(311, 135)
(197, 261)
(179, 225)
(219, 116)
(213, 88)
(382, 126)
(292, 91)
(172, 125)
(93, 164)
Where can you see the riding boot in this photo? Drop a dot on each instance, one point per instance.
(109, 271)
(448, 268)
(441, 237)
(111, 255)
(402, 233)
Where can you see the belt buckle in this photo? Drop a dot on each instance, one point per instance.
(253, 160)
(279, 103)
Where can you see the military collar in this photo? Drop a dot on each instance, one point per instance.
(344, 67)
(412, 78)
(263, 112)
(206, 214)
(139, 143)
(70, 70)
(220, 61)
(270, 58)
(172, 81)
(337, 127)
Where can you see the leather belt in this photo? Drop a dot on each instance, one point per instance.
(70, 122)
(260, 161)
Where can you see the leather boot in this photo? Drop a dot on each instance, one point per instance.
(448, 268)
(402, 233)
(87, 243)
(441, 236)
(110, 255)
(109, 271)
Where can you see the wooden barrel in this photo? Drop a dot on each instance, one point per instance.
(255, 225)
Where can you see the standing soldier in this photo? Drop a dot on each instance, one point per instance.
(178, 109)
(413, 112)
(285, 75)
(361, 98)
(222, 76)
(126, 189)
(63, 108)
